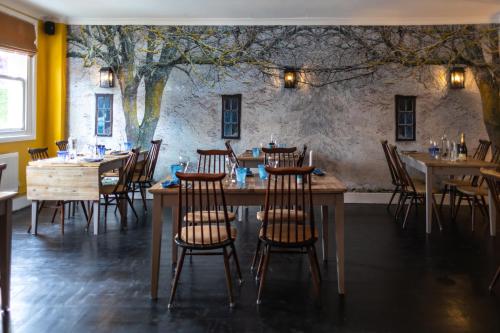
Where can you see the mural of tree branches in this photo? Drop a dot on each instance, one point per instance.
(325, 55)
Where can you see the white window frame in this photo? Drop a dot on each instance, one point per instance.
(29, 131)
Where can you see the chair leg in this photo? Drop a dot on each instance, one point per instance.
(402, 200)
(445, 190)
(473, 212)
(256, 254)
(396, 190)
(237, 263)
(460, 198)
(495, 279)
(130, 202)
(142, 189)
(106, 205)
(84, 210)
(266, 253)
(407, 213)
(228, 277)
(176, 277)
(55, 212)
(314, 269)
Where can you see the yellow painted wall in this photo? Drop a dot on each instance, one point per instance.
(50, 99)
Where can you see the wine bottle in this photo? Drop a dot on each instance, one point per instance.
(462, 148)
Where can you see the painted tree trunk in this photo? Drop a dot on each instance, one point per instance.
(490, 99)
(129, 84)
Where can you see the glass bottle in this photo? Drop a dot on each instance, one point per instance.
(462, 148)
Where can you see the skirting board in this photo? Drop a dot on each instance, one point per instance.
(21, 202)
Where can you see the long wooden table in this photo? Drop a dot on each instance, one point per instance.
(5, 245)
(53, 180)
(248, 161)
(328, 191)
(431, 167)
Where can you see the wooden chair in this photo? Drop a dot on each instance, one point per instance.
(412, 190)
(280, 157)
(3, 166)
(212, 161)
(394, 175)
(302, 156)
(38, 153)
(476, 192)
(288, 220)
(143, 176)
(204, 193)
(450, 185)
(493, 183)
(119, 191)
(62, 145)
(232, 154)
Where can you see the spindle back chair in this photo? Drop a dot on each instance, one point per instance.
(212, 161)
(392, 171)
(280, 157)
(143, 175)
(62, 144)
(204, 192)
(283, 224)
(302, 157)
(38, 153)
(232, 154)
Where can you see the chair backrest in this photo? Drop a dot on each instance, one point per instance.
(62, 144)
(403, 177)
(495, 158)
(482, 150)
(149, 165)
(212, 161)
(38, 153)
(127, 173)
(3, 166)
(280, 157)
(232, 154)
(302, 156)
(288, 211)
(390, 162)
(202, 192)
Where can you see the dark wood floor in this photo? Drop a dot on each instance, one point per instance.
(397, 281)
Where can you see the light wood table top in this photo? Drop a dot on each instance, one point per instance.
(429, 161)
(491, 172)
(78, 162)
(320, 184)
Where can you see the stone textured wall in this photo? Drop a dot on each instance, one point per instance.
(342, 124)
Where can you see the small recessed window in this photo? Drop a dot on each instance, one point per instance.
(405, 118)
(231, 116)
(104, 114)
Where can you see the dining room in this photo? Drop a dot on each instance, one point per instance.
(258, 167)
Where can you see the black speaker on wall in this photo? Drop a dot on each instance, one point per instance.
(49, 27)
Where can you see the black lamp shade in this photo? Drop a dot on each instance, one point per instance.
(290, 78)
(457, 78)
(106, 77)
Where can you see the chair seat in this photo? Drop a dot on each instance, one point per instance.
(110, 189)
(114, 174)
(456, 182)
(205, 235)
(299, 233)
(109, 181)
(207, 216)
(473, 190)
(295, 215)
(420, 187)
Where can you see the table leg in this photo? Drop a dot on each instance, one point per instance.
(493, 214)
(175, 218)
(156, 251)
(34, 216)
(339, 238)
(95, 209)
(5, 252)
(324, 228)
(428, 199)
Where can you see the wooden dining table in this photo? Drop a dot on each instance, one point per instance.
(5, 246)
(247, 160)
(328, 191)
(432, 167)
(53, 179)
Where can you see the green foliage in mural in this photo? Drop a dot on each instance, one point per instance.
(325, 55)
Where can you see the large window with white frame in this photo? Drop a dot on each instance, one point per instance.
(17, 112)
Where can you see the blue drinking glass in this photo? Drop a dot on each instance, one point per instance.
(255, 152)
(101, 149)
(127, 146)
(282, 145)
(262, 171)
(62, 154)
(241, 175)
(173, 169)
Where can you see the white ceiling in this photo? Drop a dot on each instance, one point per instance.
(261, 11)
